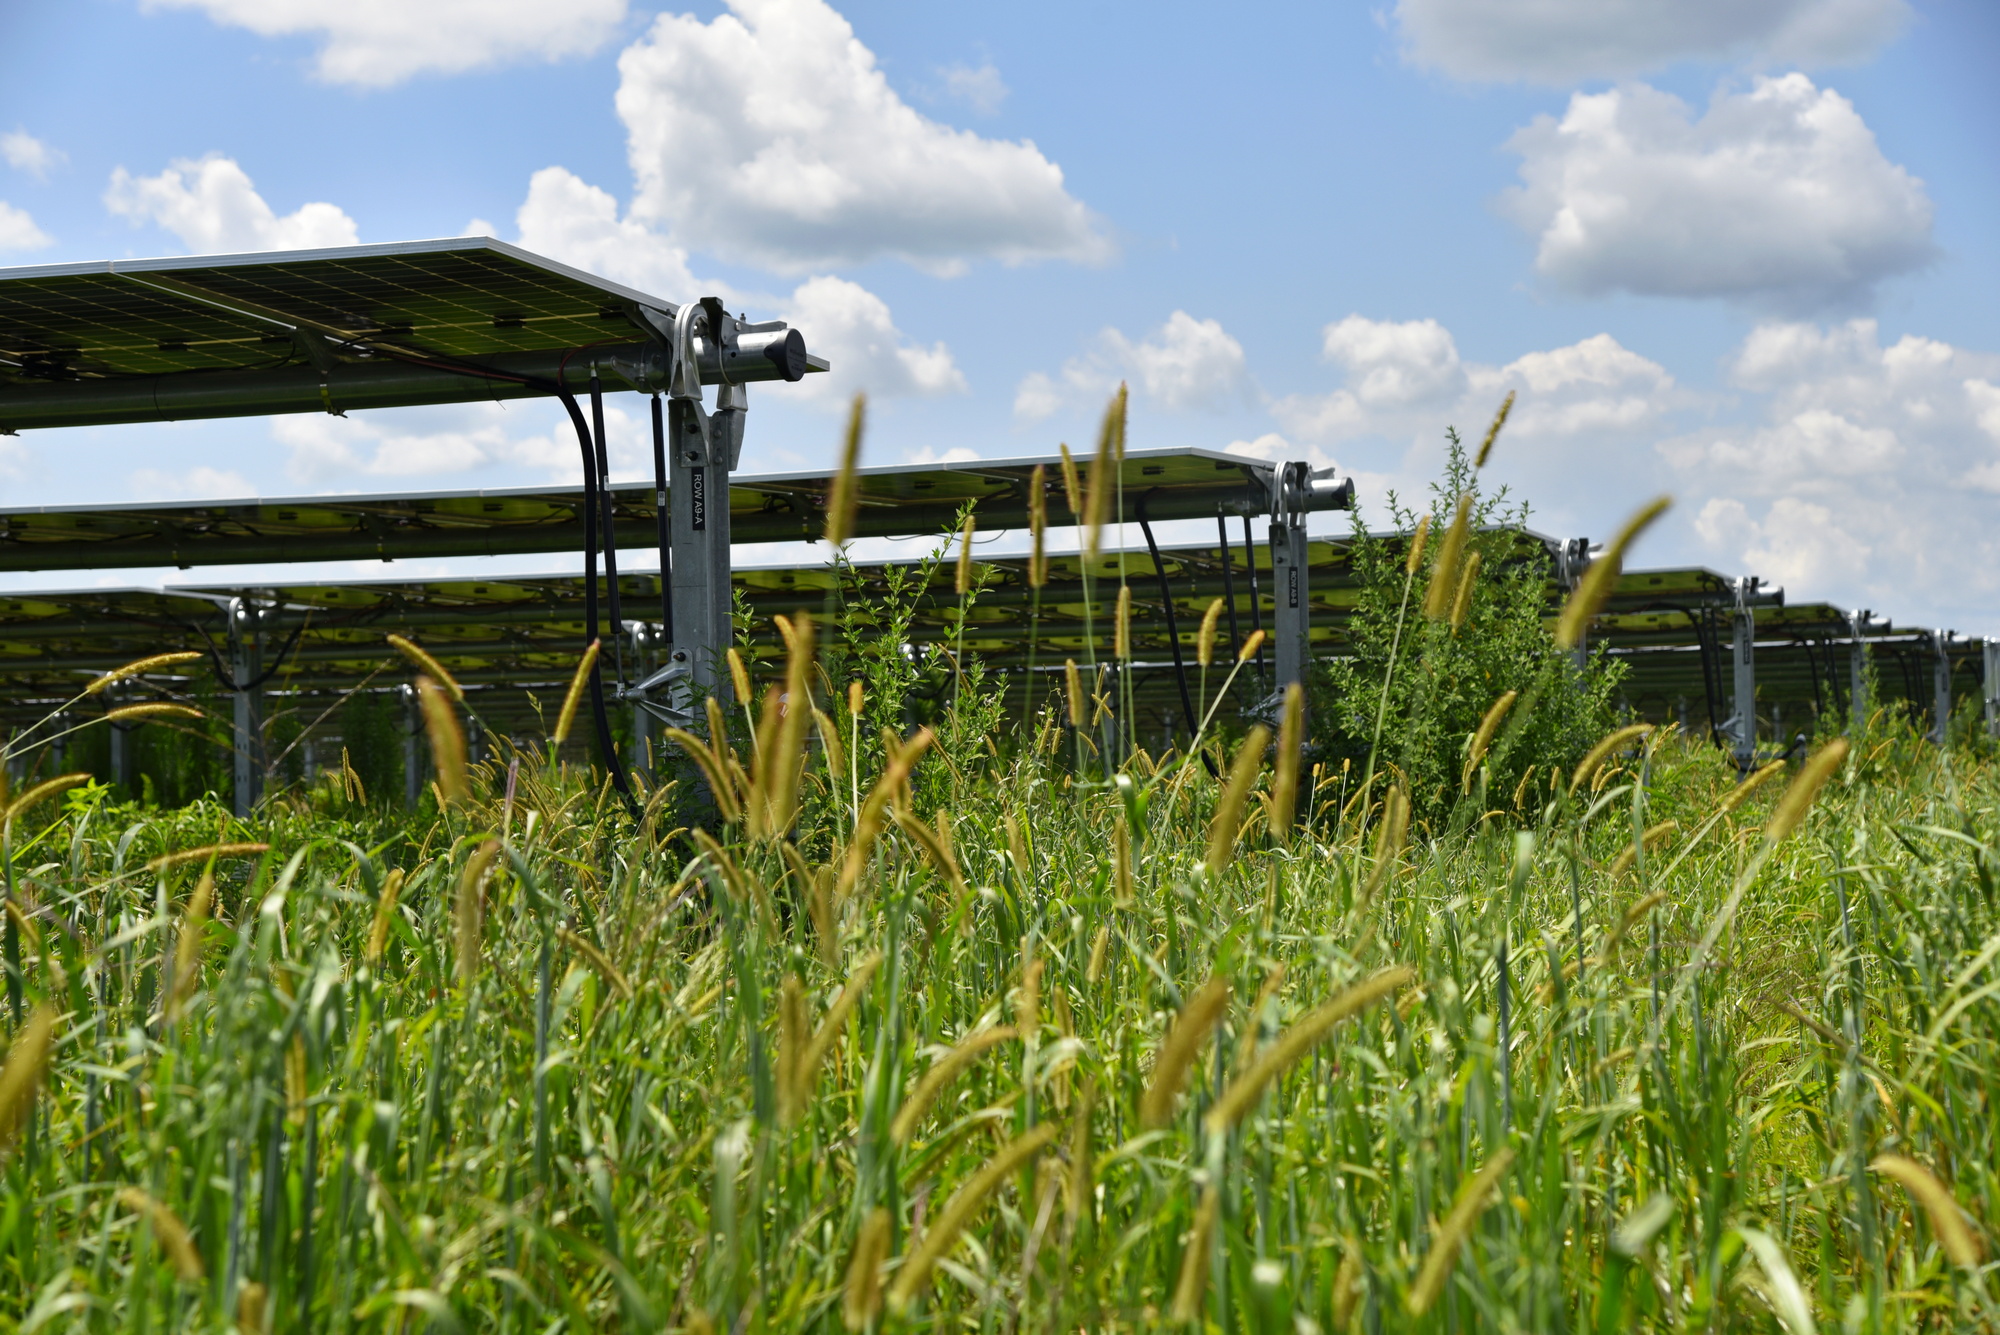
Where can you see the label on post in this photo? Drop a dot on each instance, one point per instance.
(698, 497)
(1292, 586)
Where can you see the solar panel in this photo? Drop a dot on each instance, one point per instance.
(897, 501)
(318, 330)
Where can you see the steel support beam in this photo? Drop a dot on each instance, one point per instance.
(246, 665)
(1990, 679)
(1941, 686)
(700, 450)
(1292, 620)
(1857, 670)
(413, 763)
(1742, 724)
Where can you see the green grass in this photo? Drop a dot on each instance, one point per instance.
(626, 1142)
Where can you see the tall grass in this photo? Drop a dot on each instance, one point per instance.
(974, 1031)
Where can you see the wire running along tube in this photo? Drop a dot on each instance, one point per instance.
(1173, 627)
(1256, 597)
(663, 525)
(607, 750)
(1228, 580)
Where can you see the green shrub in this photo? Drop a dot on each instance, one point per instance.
(1413, 690)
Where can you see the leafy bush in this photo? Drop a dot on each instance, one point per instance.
(1413, 692)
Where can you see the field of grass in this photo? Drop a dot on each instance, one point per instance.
(1013, 1045)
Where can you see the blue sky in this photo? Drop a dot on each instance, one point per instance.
(1741, 251)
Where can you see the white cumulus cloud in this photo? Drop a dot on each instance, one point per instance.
(1778, 196)
(26, 153)
(449, 442)
(1564, 42)
(376, 43)
(18, 230)
(568, 219)
(1185, 364)
(212, 206)
(851, 327)
(769, 136)
(199, 483)
(1871, 476)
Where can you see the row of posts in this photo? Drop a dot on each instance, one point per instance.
(246, 668)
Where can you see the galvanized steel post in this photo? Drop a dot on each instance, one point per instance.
(246, 665)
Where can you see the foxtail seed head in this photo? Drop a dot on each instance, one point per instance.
(1471, 1203)
(1121, 639)
(1183, 1043)
(1493, 432)
(1038, 522)
(567, 718)
(840, 504)
(1948, 1222)
(962, 583)
(1483, 738)
(1798, 798)
(1444, 575)
(1285, 774)
(1602, 577)
(1204, 640)
(26, 1068)
(1228, 816)
(1415, 559)
(447, 739)
(1461, 603)
(139, 667)
(415, 652)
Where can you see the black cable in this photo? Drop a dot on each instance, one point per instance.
(663, 523)
(605, 505)
(1173, 627)
(606, 749)
(1256, 598)
(1228, 580)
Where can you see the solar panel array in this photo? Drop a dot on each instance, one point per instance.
(468, 297)
(506, 637)
(892, 502)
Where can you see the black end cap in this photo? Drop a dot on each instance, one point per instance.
(788, 354)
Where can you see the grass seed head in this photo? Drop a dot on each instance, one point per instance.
(566, 719)
(1073, 681)
(1489, 724)
(1097, 496)
(1798, 798)
(1121, 638)
(1602, 577)
(429, 666)
(942, 1072)
(42, 791)
(1461, 603)
(385, 909)
(469, 909)
(447, 740)
(139, 667)
(1192, 1283)
(1418, 539)
(1183, 1043)
(962, 580)
(1948, 1222)
(1444, 574)
(1038, 523)
(1072, 491)
(1472, 1201)
(1285, 773)
(914, 1273)
(1594, 759)
(172, 1234)
(1204, 640)
(25, 1070)
(840, 505)
(861, 1300)
(1228, 818)
(1493, 432)
(153, 709)
(1297, 1041)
